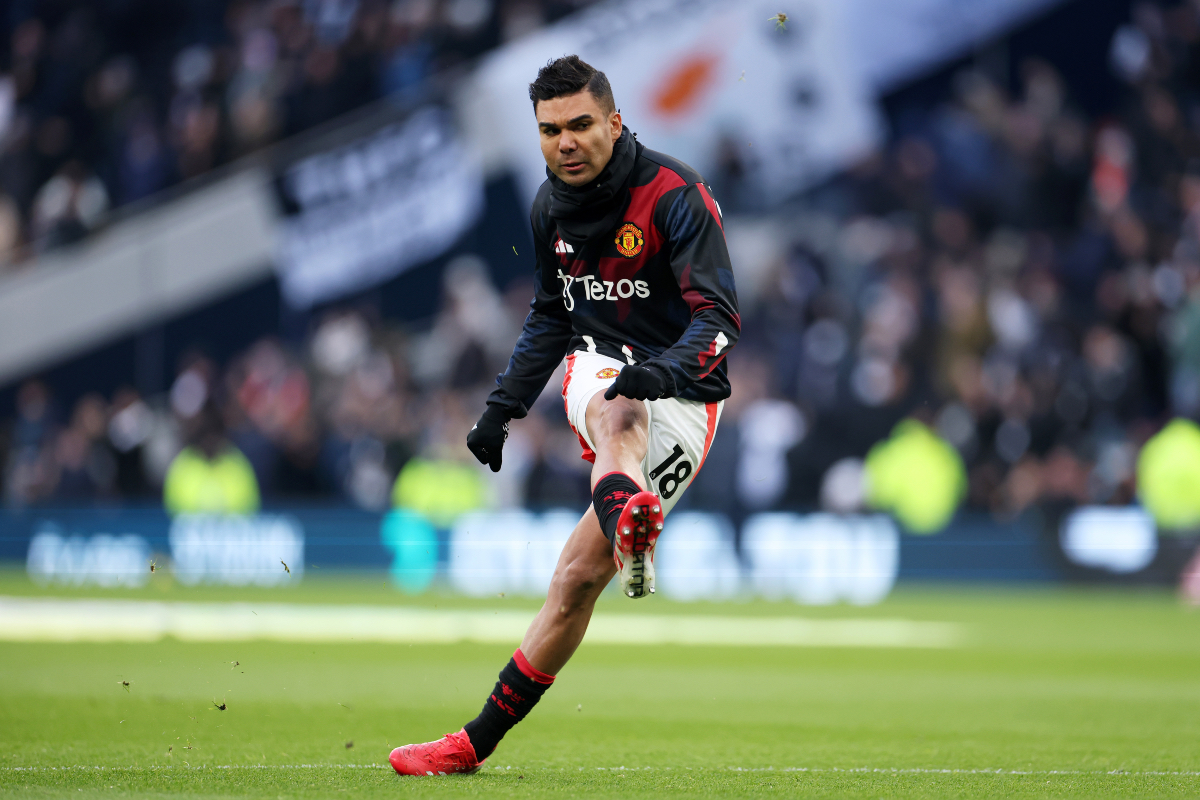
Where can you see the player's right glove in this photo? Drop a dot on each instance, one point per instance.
(638, 383)
(486, 439)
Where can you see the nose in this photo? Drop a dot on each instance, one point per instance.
(567, 142)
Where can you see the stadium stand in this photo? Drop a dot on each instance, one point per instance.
(1017, 271)
(104, 104)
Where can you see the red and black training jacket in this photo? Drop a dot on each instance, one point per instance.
(658, 290)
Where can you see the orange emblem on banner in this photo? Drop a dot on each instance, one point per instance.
(608, 372)
(629, 240)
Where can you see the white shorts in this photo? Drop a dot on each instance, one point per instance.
(681, 431)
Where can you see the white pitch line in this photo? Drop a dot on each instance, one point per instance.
(848, 770)
(154, 767)
(26, 619)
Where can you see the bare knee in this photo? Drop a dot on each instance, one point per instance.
(621, 417)
(577, 585)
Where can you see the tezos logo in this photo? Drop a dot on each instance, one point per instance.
(629, 240)
(598, 289)
(608, 372)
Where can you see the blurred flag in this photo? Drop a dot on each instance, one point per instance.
(691, 78)
(895, 41)
(365, 211)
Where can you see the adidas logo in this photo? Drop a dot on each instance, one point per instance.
(562, 248)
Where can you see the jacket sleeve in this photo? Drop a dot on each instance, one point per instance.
(700, 261)
(544, 340)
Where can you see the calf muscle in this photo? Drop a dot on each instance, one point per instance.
(619, 429)
(584, 569)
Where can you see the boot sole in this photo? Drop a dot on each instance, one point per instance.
(635, 562)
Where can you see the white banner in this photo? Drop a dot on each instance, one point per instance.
(814, 559)
(688, 75)
(367, 211)
(264, 550)
(817, 559)
(102, 559)
(507, 552)
(892, 41)
(1121, 540)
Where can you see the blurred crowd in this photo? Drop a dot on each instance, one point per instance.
(359, 413)
(105, 102)
(1021, 278)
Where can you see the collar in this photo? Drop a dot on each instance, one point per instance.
(588, 212)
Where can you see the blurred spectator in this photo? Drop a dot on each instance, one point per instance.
(554, 475)
(446, 481)
(440, 490)
(473, 334)
(30, 471)
(129, 429)
(916, 476)
(68, 206)
(210, 475)
(86, 460)
(1169, 477)
(10, 230)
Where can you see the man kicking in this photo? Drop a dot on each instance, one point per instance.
(634, 287)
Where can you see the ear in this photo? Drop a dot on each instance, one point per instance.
(614, 124)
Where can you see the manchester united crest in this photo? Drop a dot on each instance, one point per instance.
(608, 372)
(629, 240)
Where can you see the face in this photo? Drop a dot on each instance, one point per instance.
(577, 136)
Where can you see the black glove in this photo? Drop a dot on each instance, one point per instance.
(486, 439)
(638, 383)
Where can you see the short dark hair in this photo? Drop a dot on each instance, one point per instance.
(570, 75)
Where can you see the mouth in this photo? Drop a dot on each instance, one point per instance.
(574, 168)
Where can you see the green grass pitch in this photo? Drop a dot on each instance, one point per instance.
(1052, 693)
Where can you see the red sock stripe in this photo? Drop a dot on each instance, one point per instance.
(528, 670)
(614, 472)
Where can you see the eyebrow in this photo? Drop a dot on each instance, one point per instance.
(580, 118)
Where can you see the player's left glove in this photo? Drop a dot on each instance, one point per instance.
(638, 383)
(486, 439)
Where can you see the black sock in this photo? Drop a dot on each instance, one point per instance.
(516, 693)
(609, 497)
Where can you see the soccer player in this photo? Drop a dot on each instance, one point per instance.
(634, 287)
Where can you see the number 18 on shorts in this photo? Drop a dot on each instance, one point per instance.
(680, 434)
